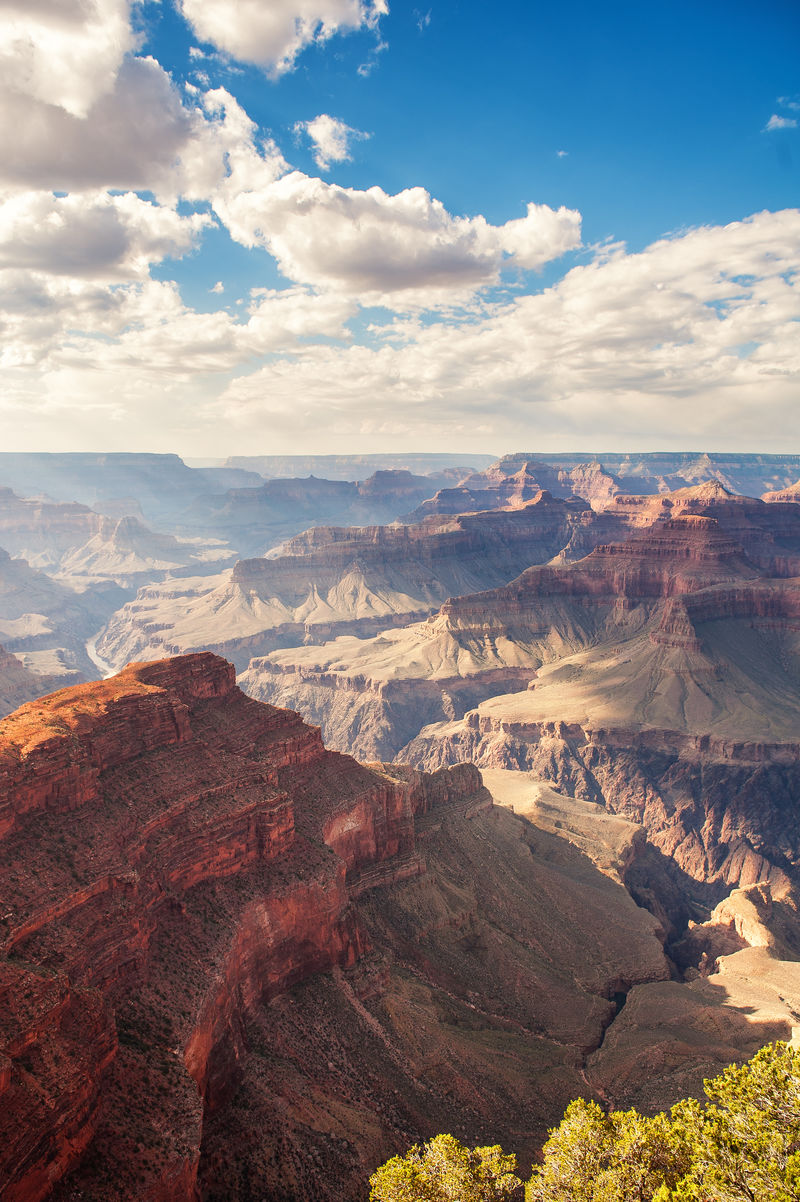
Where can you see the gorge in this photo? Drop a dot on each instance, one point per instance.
(237, 965)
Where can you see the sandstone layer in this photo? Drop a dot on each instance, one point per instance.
(658, 677)
(597, 479)
(211, 831)
(236, 965)
(338, 580)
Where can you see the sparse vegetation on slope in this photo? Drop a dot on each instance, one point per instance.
(743, 1145)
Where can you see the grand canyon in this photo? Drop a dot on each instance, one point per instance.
(321, 838)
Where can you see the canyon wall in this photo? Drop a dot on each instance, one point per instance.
(151, 824)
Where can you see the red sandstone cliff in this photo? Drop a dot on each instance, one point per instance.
(173, 854)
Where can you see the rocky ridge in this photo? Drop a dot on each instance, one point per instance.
(657, 677)
(87, 906)
(233, 962)
(338, 580)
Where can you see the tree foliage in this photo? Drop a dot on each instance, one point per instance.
(444, 1170)
(743, 1145)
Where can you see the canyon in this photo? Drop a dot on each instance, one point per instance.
(237, 965)
(657, 676)
(236, 962)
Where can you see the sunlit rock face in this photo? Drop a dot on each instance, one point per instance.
(174, 855)
(658, 675)
(333, 581)
(230, 956)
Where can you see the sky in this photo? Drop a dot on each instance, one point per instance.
(234, 227)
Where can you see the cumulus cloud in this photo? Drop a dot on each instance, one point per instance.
(404, 249)
(331, 139)
(696, 335)
(142, 136)
(273, 33)
(61, 53)
(128, 139)
(777, 122)
(642, 348)
(92, 236)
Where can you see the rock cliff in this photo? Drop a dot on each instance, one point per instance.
(339, 580)
(73, 541)
(45, 622)
(657, 677)
(598, 479)
(233, 964)
(150, 824)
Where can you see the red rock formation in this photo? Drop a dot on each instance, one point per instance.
(173, 854)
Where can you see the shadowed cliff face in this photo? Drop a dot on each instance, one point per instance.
(659, 676)
(235, 965)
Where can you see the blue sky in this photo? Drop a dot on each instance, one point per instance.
(220, 235)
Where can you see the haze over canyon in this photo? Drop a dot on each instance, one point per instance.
(341, 810)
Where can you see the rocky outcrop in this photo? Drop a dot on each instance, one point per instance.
(374, 695)
(332, 581)
(790, 495)
(656, 677)
(46, 623)
(73, 541)
(598, 480)
(515, 480)
(18, 685)
(722, 812)
(233, 962)
(148, 820)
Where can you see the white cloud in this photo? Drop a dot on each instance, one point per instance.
(562, 154)
(647, 349)
(776, 122)
(63, 52)
(331, 139)
(94, 236)
(218, 287)
(141, 136)
(271, 33)
(643, 349)
(129, 138)
(57, 322)
(401, 250)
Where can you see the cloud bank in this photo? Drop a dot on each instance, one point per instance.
(399, 320)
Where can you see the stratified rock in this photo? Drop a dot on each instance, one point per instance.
(657, 677)
(339, 580)
(18, 685)
(150, 824)
(517, 479)
(234, 962)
